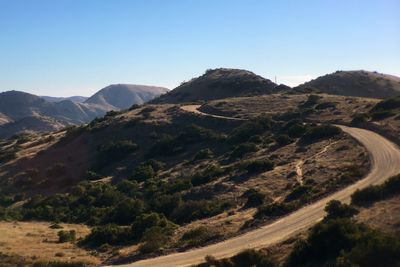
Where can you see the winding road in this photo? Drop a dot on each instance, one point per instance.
(385, 159)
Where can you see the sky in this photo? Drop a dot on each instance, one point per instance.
(74, 47)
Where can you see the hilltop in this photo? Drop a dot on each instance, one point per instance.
(356, 83)
(217, 84)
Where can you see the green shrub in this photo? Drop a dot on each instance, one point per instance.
(250, 128)
(108, 234)
(192, 210)
(143, 173)
(154, 238)
(335, 209)
(114, 151)
(254, 198)
(151, 220)
(343, 242)
(257, 166)
(360, 118)
(243, 149)
(301, 191)
(249, 257)
(320, 132)
(325, 105)
(274, 209)
(199, 236)
(283, 139)
(387, 104)
(381, 115)
(204, 154)
(66, 236)
(375, 193)
(207, 175)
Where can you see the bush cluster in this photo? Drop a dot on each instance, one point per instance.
(375, 193)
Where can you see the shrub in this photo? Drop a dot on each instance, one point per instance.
(254, 198)
(147, 221)
(377, 192)
(256, 126)
(360, 118)
(301, 191)
(387, 104)
(274, 209)
(335, 209)
(325, 105)
(198, 236)
(283, 139)
(193, 210)
(257, 166)
(154, 238)
(320, 132)
(66, 236)
(203, 154)
(108, 234)
(381, 115)
(114, 151)
(343, 242)
(242, 149)
(249, 257)
(143, 173)
(207, 175)
(311, 101)
(127, 210)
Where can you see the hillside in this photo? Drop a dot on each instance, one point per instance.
(122, 96)
(79, 99)
(181, 171)
(30, 124)
(356, 83)
(217, 84)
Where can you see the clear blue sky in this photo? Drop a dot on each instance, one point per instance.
(75, 47)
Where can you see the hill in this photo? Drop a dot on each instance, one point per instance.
(217, 84)
(122, 96)
(356, 83)
(30, 124)
(79, 99)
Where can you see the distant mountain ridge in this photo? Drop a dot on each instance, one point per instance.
(79, 99)
(121, 96)
(20, 111)
(359, 83)
(217, 84)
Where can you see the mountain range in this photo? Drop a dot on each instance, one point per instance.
(20, 111)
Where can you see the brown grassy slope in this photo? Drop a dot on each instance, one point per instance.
(28, 242)
(356, 83)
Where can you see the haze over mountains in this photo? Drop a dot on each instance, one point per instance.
(20, 111)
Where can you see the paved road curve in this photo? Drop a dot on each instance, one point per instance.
(385, 157)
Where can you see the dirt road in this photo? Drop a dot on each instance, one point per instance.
(385, 158)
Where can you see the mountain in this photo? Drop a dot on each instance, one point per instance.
(79, 99)
(122, 96)
(217, 84)
(356, 83)
(20, 111)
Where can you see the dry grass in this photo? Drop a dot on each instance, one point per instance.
(36, 242)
